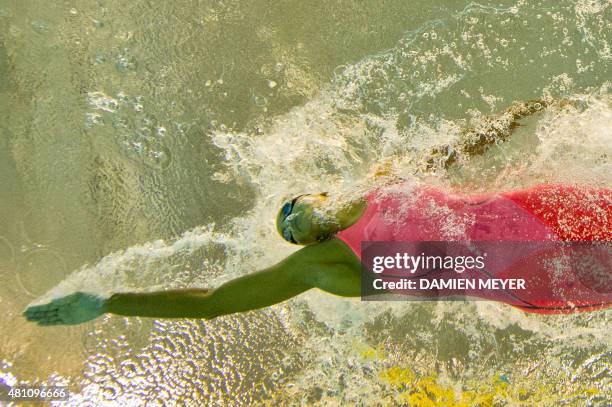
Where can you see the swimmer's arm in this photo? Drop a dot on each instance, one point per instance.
(327, 266)
(330, 266)
(491, 131)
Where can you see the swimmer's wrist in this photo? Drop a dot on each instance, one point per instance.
(109, 304)
(129, 304)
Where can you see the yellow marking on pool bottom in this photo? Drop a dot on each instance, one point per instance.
(394, 385)
(427, 391)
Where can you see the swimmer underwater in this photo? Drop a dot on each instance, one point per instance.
(330, 258)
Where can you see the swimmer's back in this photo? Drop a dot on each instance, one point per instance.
(540, 213)
(575, 213)
(544, 213)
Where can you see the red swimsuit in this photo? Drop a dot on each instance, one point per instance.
(544, 213)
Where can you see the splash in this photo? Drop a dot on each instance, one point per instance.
(382, 111)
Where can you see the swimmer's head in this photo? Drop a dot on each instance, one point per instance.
(309, 218)
(302, 220)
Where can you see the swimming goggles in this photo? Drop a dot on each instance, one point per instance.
(286, 211)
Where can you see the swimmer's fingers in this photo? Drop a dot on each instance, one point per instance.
(49, 320)
(50, 308)
(44, 318)
(36, 312)
(39, 314)
(68, 310)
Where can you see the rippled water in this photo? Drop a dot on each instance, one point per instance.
(149, 145)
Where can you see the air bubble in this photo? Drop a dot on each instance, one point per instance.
(159, 159)
(260, 101)
(93, 119)
(125, 62)
(40, 27)
(122, 97)
(339, 70)
(120, 122)
(99, 59)
(101, 101)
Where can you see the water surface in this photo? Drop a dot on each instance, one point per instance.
(146, 146)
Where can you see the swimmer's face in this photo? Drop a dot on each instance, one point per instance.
(299, 222)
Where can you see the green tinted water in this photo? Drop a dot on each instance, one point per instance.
(123, 123)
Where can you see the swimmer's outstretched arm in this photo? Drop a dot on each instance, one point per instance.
(491, 130)
(330, 266)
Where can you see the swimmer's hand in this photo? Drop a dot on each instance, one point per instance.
(68, 310)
